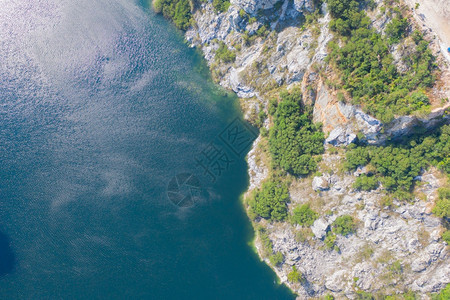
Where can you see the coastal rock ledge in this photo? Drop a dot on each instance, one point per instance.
(397, 245)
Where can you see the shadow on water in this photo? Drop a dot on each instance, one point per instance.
(7, 257)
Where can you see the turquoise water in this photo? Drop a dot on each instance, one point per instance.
(102, 104)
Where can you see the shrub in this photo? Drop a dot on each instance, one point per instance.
(330, 240)
(276, 259)
(344, 225)
(446, 236)
(261, 31)
(294, 275)
(221, 5)
(242, 13)
(179, 11)
(269, 202)
(365, 183)
(442, 208)
(266, 243)
(304, 215)
(224, 54)
(443, 295)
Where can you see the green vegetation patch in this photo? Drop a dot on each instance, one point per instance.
(330, 241)
(224, 54)
(267, 245)
(396, 165)
(294, 276)
(442, 208)
(276, 259)
(304, 215)
(269, 202)
(443, 295)
(344, 225)
(294, 139)
(367, 68)
(179, 11)
(365, 183)
(221, 5)
(446, 236)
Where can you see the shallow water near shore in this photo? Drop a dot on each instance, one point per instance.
(102, 105)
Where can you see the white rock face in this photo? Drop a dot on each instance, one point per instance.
(319, 228)
(252, 6)
(288, 62)
(304, 5)
(320, 183)
(407, 234)
(256, 171)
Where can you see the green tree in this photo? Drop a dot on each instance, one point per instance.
(304, 215)
(366, 66)
(442, 207)
(269, 202)
(446, 236)
(396, 29)
(221, 5)
(276, 259)
(344, 225)
(182, 16)
(365, 183)
(294, 139)
(224, 54)
(295, 276)
(179, 11)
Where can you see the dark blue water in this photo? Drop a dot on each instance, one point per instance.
(101, 105)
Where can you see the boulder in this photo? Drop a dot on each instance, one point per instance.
(320, 184)
(319, 228)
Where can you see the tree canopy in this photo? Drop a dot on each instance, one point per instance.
(269, 202)
(294, 139)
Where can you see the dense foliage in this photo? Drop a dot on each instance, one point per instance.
(179, 11)
(269, 202)
(367, 68)
(304, 215)
(396, 165)
(294, 139)
(224, 54)
(396, 29)
(344, 225)
(221, 5)
(446, 236)
(365, 183)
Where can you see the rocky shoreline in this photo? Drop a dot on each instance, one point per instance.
(406, 235)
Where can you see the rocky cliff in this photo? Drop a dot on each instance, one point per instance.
(396, 246)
